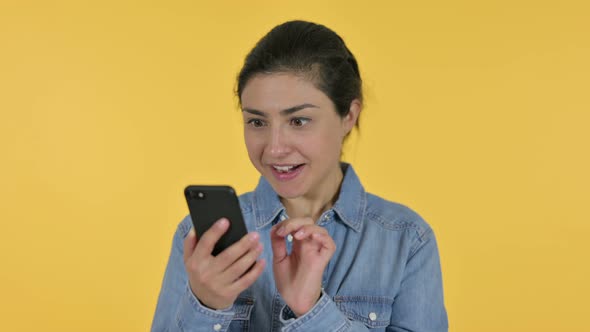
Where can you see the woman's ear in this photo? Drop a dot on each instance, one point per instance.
(350, 119)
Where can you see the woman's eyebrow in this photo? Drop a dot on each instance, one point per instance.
(253, 111)
(287, 111)
(294, 109)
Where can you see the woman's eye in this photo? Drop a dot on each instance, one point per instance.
(298, 122)
(256, 123)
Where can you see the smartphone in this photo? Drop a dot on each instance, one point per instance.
(207, 204)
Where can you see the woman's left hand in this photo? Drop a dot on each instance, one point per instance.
(298, 276)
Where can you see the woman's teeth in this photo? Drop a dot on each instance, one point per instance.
(284, 169)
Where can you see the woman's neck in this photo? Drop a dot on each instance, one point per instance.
(315, 203)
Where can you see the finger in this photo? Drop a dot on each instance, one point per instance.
(190, 241)
(278, 245)
(208, 240)
(305, 231)
(327, 245)
(315, 236)
(242, 265)
(290, 225)
(249, 278)
(237, 250)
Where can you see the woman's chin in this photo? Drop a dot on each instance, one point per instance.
(288, 192)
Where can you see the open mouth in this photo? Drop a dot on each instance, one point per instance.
(283, 169)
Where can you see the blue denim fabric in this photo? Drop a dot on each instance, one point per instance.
(384, 276)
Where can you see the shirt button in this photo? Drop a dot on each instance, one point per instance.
(372, 316)
(217, 327)
(290, 238)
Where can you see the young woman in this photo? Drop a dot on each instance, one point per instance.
(327, 255)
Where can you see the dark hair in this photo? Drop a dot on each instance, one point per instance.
(312, 50)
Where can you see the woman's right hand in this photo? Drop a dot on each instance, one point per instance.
(218, 280)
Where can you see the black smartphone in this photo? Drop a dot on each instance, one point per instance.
(207, 204)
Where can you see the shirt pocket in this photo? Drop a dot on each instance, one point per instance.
(243, 309)
(373, 311)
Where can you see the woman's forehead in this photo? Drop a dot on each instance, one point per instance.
(280, 91)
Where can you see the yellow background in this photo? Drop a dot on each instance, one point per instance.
(477, 116)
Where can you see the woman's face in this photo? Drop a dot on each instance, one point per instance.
(293, 134)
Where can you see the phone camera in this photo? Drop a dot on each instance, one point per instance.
(196, 195)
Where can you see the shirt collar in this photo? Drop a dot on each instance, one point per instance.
(349, 207)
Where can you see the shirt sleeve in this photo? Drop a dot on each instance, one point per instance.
(178, 309)
(323, 316)
(419, 305)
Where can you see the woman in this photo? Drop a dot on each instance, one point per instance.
(327, 255)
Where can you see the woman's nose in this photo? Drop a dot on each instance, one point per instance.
(279, 143)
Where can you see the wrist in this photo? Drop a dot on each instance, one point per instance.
(299, 313)
(209, 305)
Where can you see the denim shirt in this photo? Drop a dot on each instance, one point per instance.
(384, 276)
